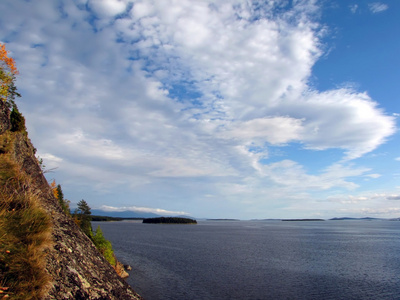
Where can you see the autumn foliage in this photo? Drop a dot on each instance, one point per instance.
(53, 186)
(8, 71)
(58, 193)
(8, 62)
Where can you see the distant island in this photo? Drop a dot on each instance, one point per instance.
(223, 220)
(169, 220)
(351, 219)
(302, 220)
(111, 219)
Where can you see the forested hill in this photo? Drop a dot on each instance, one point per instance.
(43, 253)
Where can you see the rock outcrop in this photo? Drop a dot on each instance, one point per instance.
(77, 269)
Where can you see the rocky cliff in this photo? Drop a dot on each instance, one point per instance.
(76, 269)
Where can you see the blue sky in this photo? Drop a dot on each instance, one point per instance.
(219, 109)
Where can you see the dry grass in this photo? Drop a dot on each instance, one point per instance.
(119, 268)
(25, 231)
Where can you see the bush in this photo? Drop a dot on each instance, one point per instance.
(104, 246)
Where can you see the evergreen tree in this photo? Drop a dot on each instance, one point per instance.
(60, 194)
(17, 120)
(83, 214)
(63, 202)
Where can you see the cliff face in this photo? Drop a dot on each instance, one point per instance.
(76, 268)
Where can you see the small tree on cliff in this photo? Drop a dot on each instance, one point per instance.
(58, 193)
(63, 202)
(83, 215)
(8, 71)
(8, 90)
(17, 120)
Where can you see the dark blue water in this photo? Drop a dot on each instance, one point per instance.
(260, 260)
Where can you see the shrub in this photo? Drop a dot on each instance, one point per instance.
(104, 246)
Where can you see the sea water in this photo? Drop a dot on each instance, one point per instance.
(260, 259)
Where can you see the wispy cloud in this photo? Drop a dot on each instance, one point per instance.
(377, 7)
(353, 8)
(373, 175)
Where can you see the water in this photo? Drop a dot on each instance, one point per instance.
(260, 260)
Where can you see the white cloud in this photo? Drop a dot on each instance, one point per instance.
(291, 174)
(373, 175)
(50, 157)
(274, 130)
(349, 199)
(377, 7)
(353, 8)
(222, 53)
(397, 158)
(108, 8)
(86, 146)
(139, 209)
(49, 162)
(246, 80)
(344, 119)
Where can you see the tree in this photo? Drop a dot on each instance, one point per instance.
(82, 213)
(58, 193)
(82, 217)
(17, 120)
(8, 71)
(53, 186)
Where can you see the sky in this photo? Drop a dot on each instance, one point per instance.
(214, 109)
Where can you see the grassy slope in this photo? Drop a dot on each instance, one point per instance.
(25, 230)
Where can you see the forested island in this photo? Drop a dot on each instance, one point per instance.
(111, 219)
(223, 220)
(169, 220)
